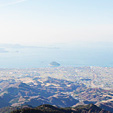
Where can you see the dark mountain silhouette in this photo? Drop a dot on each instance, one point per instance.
(91, 108)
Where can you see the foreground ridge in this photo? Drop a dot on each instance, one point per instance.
(46, 108)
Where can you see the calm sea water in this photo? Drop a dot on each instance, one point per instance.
(41, 57)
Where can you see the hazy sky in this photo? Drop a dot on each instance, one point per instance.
(56, 21)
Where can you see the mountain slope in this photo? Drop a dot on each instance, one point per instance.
(91, 108)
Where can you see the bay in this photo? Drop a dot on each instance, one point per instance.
(34, 57)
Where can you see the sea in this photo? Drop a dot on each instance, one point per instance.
(41, 57)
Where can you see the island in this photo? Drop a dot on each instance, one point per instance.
(54, 64)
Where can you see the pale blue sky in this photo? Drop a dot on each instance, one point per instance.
(33, 22)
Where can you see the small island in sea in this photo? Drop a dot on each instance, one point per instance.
(54, 64)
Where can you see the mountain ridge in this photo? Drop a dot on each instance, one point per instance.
(46, 108)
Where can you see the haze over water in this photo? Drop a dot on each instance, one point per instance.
(76, 56)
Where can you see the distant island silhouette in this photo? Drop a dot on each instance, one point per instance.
(54, 64)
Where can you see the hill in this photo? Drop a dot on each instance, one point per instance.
(91, 108)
